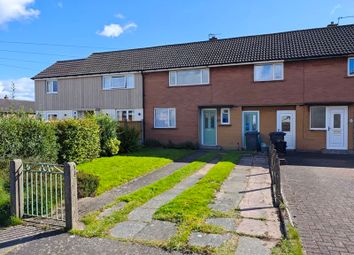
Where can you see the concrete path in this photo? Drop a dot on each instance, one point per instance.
(319, 190)
(140, 224)
(65, 244)
(90, 204)
(247, 190)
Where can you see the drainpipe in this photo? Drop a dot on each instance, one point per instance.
(143, 98)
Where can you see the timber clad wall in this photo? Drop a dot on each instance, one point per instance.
(87, 93)
(322, 81)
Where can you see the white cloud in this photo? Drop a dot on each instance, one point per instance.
(335, 8)
(24, 88)
(119, 16)
(11, 10)
(115, 30)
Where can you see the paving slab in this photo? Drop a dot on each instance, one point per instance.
(252, 246)
(127, 229)
(228, 224)
(259, 228)
(157, 231)
(142, 214)
(112, 209)
(205, 240)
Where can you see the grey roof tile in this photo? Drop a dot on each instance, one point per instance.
(301, 44)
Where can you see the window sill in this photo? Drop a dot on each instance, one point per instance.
(164, 128)
(52, 93)
(225, 125)
(271, 81)
(189, 85)
(117, 89)
(349, 76)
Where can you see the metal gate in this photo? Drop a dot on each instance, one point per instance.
(43, 186)
(44, 190)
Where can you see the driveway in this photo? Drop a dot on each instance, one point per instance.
(319, 190)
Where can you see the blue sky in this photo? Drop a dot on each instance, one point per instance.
(29, 28)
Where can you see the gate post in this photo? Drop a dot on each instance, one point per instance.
(70, 187)
(16, 187)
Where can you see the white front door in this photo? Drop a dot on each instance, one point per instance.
(337, 127)
(286, 122)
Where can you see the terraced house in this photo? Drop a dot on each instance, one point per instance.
(213, 92)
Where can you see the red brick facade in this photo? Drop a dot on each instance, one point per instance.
(321, 81)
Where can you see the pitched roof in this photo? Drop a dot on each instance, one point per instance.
(311, 43)
(9, 105)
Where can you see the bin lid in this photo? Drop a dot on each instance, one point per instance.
(252, 133)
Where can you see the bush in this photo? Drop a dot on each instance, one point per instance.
(108, 135)
(79, 139)
(87, 184)
(129, 138)
(28, 138)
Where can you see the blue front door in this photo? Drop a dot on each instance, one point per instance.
(209, 122)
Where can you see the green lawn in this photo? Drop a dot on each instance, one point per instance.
(190, 209)
(135, 199)
(117, 170)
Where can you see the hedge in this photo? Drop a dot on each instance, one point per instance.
(27, 138)
(108, 135)
(79, 139)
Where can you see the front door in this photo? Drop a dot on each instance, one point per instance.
(250, 122)
(286, 122)
(209, 122)
(337, 127)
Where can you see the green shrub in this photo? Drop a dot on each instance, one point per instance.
(87, 184)
(108, 135)
(27, 138)
(79, 139)
(129, 137)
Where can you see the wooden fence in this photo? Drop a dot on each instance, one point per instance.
(274, 170)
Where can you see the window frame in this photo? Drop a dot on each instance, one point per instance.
(176, 84)
(110, 77)
(273, 64)
(348, 67)
(310, 119)
(228, 116)
(51, 113)
(49, 84)
(119, 115)
(168, 110)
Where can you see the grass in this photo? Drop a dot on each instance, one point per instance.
(117, 170)
(190, 209)
(135, 199)
(290, 246)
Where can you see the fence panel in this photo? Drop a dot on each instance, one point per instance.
(274, 170)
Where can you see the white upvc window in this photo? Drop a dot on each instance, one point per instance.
(225, 116)
(52, 116)
(318, 118)
(269, 72)
(51, 87)
(351, 66)
(125, 115)
(118, 82)
(165, 118)
(189, 77)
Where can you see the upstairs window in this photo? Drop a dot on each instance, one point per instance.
(351, 67)
(269, 72)
(118, 82)
(318, 118)
(189, 77)
(165, 118)
(51, 87)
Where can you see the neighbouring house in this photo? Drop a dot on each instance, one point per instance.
(213, 92)
(10, 106)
